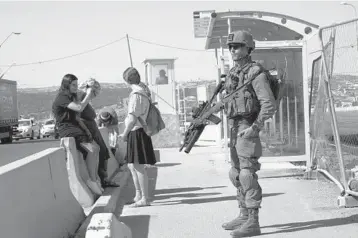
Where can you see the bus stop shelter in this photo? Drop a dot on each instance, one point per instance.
(280, 47)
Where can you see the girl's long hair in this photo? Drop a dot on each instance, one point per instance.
(65, 85)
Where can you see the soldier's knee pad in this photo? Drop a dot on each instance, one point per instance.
(234, 177)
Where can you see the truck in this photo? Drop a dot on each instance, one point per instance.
(8, 110)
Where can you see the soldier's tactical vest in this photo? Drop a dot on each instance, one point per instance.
(245, 104)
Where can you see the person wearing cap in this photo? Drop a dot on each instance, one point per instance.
(140, 150)
(107, 117)
(247, 113)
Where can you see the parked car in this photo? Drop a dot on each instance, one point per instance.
(27, 128)
(49, 128)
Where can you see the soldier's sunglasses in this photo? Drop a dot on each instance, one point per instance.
(236, 46)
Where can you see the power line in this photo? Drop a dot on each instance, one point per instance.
(65, 57)
(336, 48)
(168, 46)
(100, 47)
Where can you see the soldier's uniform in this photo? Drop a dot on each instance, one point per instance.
(250, 108)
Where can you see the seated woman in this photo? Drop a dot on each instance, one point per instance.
(88, 115)
(66, 110)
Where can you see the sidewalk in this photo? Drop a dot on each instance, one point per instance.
(193, 197)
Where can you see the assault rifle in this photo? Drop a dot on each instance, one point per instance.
(204, 114)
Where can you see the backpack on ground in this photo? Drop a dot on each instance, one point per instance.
(154, 121)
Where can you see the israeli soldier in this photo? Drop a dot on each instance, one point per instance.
(247, 114)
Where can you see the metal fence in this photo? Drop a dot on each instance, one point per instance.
(334, 117)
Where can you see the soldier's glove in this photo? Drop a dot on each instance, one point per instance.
(248, 132)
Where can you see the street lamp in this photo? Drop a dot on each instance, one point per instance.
(12, 33)
(348, 4)
(356, 16)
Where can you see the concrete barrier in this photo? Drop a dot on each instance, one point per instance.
(36, 200)
(101, 220)
(109, 202)
(45, 194)
(78, 172)
(106, 225)
(121, 153)
(114, 161)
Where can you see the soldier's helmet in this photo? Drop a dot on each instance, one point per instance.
(241, 37)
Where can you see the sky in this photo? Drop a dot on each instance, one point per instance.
(57, 29)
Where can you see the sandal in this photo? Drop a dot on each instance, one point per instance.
(140, 203)
(106, 184)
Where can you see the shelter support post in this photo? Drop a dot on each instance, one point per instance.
(220, 126)
(225, 125)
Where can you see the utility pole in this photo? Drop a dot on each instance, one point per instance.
(129, 50)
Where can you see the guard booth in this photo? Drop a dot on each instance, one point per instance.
(160, 78)
(281, 47)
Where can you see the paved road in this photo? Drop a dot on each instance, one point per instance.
(22, 148)
(193, 197)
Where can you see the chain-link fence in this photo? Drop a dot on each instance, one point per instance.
(333, 100)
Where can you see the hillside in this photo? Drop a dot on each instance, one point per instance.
(38, 101)
(344, 89)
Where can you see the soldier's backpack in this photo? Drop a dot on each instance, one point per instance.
(276, 84)
(154, 121)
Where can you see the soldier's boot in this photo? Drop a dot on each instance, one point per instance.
(238, 221)
(250, 228)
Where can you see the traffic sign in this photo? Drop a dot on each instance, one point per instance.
(201, 23)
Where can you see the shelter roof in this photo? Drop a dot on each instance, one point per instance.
(264, 26)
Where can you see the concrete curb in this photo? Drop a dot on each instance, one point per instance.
(106, 225)
(107, 203)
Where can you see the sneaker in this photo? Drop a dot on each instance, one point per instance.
(94, 187)
(107, 183)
